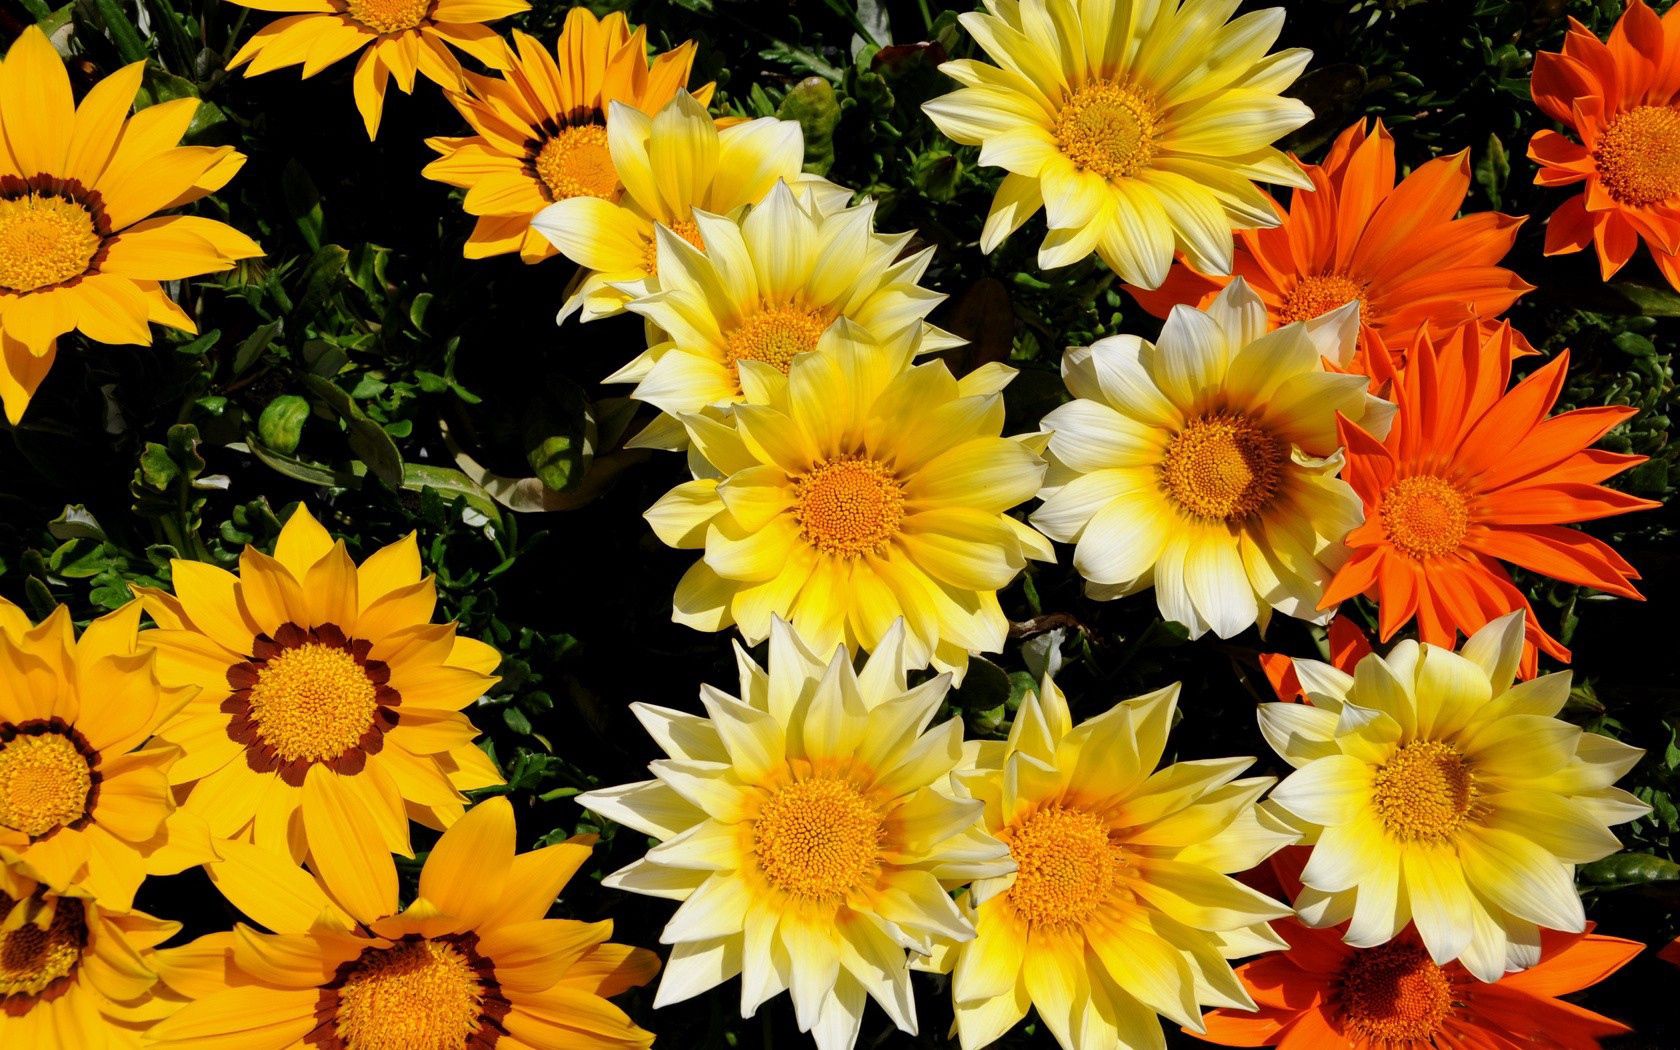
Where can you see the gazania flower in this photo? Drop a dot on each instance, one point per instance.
(1397, 249)
(1138, 135)
(324, 688)
(471, 963)
(1470, 476)
(1619, 100)
(540, 130)
(1434, 791)
(1205, 466)
(397, 38)
(724, 171)
(80, 245)
(81, 800)
(854, 491)
(809, 830)
(1122, 907)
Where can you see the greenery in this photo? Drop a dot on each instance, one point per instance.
(365, 367)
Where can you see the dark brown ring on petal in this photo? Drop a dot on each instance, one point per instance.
(493, 1005)
(10, 731)
(18, 1004)
(15, 186)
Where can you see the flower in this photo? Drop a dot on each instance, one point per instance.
(471, 963)
(324, 688)
(854, 491)
(1205, 465)
(80, 245)
(1135, 138)
(540, 130)
(1121, 907)
(1347, 644)
(766, 287)
(1398, 249)
(1471, 475)
(81, 800)
(1435, 791)
(809, 830)
(396, 38)
(1620, 101)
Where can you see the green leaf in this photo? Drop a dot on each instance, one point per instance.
(813, 105)
(368, 439)
(1629, 869)
(281, 424)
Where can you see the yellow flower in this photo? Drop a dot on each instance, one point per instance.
(81, 800)
(1205, 465)
(809, 829)
(1122, 907)
(325, 689)
(540, 132)
(1139, 128)
(400, 38)
(670, 164)
(80, 247)
(471, 963)
(851, 492)
(1437, 792)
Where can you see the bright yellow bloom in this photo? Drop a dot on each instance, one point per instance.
(540, 131)
(80, 246)
(400, 38)
(1122, 907)
(670, 164)
(324, 688)
(1205, 465)
(851, 492)
(1436, 792)
(809, 829)
(81, 799)
(1140, 126)
(471, 963)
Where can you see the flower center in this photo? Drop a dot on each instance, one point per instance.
(1425, 515)
(1425, 792)
(417, 995)
(1223, 467)
(1393, 995)
(774, 336)
(1067, 866)
(1638, 156)
(818, 839)
(575, 162)
(848, 506)
(389, 16)
(1318, 294)
(46, 778)
(41, 949)
(45, 238)
(1107, 128)
(650, 250)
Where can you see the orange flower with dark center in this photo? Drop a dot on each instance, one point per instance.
(1471, 476)
(1621, 99)
(1397, 248)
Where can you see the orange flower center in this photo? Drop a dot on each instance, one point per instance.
(848, 506)
(1317, 294)
(1425, 792)
(1223, 467)
(313, 702)
(575, 162)
(1425, 515)
(417, 995)
(1067, 866)
(45, 239)
(650, 250)
(1638, 156)
(46, 779)
(1107, 128)
(774, 336)
(45, 947)
(1393, 996)
(818, 839)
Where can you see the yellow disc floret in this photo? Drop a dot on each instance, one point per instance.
(774, 336)
(1393, 996)
(1223, 467)
(45, 948)
(684, 228)
(1425, 792)
(1425, 515)
(44, 782)
(818, 839)
(575, 162)
(1067, 866)
(417, 995)
(1107, 128)
(1318, 294)
(312, 702)
(848, 506)
(1638, 156)
(389, 16)
(45, 240)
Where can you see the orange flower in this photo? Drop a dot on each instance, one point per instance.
(1348, 646)
(1472, 475)
(1396, 248)
(1619, 100)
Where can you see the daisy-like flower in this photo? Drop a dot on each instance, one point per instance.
(851, 492)
(472, 964)
(80, 244)
(810, 831)
(1399, 250)
(1622, 102)
(1433, 791)
(1205, 465)
(397, 38)
(1122, 907)
(324, 688)
(82, 799)
(1139, 130)
(1472, 475)
(540, 129)
(722, 172)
